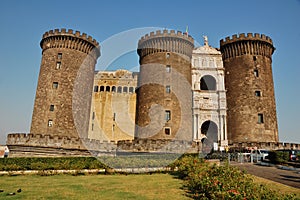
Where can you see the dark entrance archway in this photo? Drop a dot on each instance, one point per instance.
(210, 130)
(208, 82)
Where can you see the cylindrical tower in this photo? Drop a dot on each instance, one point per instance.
(64, 90)
(250, 90)
(164, 97)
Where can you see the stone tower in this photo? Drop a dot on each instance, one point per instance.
(164, 96)
(250, 91)
(65, 84)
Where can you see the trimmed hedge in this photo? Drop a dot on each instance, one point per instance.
(78, 163)
(60, 163)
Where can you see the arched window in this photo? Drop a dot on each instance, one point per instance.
(119, 89)
(208, 82)
(131, 90)
(125, 89)
(102, 88)
(96, 88)
(107, 89)
(113, 89)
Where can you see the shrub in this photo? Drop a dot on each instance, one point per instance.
(38, 166)
(278, 157)
(206, 181)
(187, 164)
(12, 167)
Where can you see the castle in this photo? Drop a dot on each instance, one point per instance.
(182, 98)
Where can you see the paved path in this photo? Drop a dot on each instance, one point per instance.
(286, 177)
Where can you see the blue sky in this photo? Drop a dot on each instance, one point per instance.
(23, 23)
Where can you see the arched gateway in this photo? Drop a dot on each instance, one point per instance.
(210, 130)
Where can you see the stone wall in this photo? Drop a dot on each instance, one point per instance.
(30, 145)
(55, 144)
(23, 145)
(157, 145)
(266, 145)
(113, 105)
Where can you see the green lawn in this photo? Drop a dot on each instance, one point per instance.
(155, 186)
(144, 186)
(278, 186)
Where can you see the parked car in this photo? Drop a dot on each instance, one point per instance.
(291, 153)
(259, 154)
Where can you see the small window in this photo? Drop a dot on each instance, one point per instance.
(168, 115)
(107, 89)
(168, 55)
(113, 89)
(55, 85)
(168, 68)
(257, 93)
(59, 56)
(260, 118)
(168, 89)
(119, 89)
(58, 65)
(114, 117)
(102, 88)
(93, 116)
(50, 123)
(125, 89)
(167, 131)
(51, 108)
(92, 127)
(131, 90)
(256, 73)
(96, 88)
(254, 58)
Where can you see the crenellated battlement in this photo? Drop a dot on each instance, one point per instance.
(166, 41)
(56, 141)
(156, 145)
(70, 32)
(237, 45)
(250, 36)
(166, 33)
(62, 38)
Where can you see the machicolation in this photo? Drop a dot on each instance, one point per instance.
(69, 39)
(164, 41)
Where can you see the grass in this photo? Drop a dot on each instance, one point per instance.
(155, 186)
(143, 186)
(277, 186)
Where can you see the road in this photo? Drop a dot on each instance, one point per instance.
(286, 177)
